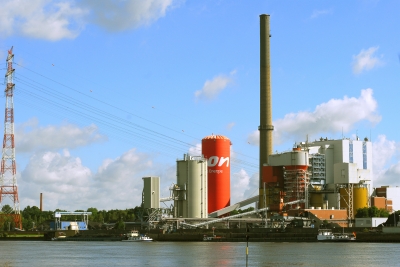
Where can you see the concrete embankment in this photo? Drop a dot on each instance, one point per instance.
(378, 237)
(238, 235)
(14, 238)
(222, 235)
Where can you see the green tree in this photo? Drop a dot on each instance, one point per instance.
(383, 213)
(8, 224)
(94, 216)
(7, 209)
(119, 225)
(373, 212)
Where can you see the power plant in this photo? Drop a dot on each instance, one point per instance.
(323, 179)
(330, 179)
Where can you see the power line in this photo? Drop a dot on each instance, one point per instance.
(76, 108)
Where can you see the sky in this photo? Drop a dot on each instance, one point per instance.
(108, 92)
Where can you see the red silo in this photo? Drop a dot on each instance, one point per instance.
(217, 150)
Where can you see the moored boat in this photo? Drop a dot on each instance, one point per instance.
(328, 235)
(134, 236)
(211, 238)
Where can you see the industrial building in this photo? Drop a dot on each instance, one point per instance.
(387, 197)
(326, 179)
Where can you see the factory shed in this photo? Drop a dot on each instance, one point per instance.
(370, 222)
(331, 215)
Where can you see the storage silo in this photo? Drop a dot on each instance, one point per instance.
(151, 192)
(217, 150)
(360, 198)
(316, 199)
(190, 191)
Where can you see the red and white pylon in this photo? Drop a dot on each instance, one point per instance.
(8, 170)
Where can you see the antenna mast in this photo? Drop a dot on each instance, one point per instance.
(8, 170)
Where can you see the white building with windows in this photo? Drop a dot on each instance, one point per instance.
(343, 166)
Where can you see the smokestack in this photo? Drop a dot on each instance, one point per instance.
(266, 128)
(41, 201)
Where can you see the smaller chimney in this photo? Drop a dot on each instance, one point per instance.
(41, 201)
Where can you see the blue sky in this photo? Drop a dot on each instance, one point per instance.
(108, 92)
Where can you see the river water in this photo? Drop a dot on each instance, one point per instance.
(47, 253)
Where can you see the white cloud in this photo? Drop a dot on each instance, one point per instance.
(31, 137)
(121, 15)
(120, 180)
(386, 169)
(195, 151)
(212, 88)
(123, 168)
(67, 184)
(239, 183)
(42, 19)
(254, 138)
(318, 13)
(390, 176)
(334, 116)
(383, 151)
(167, 177)
(230, 126)
(55, 169)
(62, 179)
(60, 19)
(243, 186)
(366, 60)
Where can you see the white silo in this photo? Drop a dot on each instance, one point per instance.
(151, 192)
(190, 191)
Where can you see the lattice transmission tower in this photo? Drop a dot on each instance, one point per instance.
(8, 172)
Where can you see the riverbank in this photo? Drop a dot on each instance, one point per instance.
(238, 235)
(197, 235)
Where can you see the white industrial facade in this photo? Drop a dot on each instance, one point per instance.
(344, 166)
(346, 161)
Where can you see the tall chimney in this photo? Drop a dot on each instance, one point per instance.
(266, 128)
(41, 201)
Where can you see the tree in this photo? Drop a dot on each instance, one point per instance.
(383, 213)
(7, 209)
(371, 212)
(362, 213)
(119, 225)
(8, 224)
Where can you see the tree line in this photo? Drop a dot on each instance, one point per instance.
(372, 212)
(34, 219)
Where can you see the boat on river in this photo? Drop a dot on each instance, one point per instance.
(328, 235)
(212, 238)
(134, 236)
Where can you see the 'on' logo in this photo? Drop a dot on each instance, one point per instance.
(216, 161)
